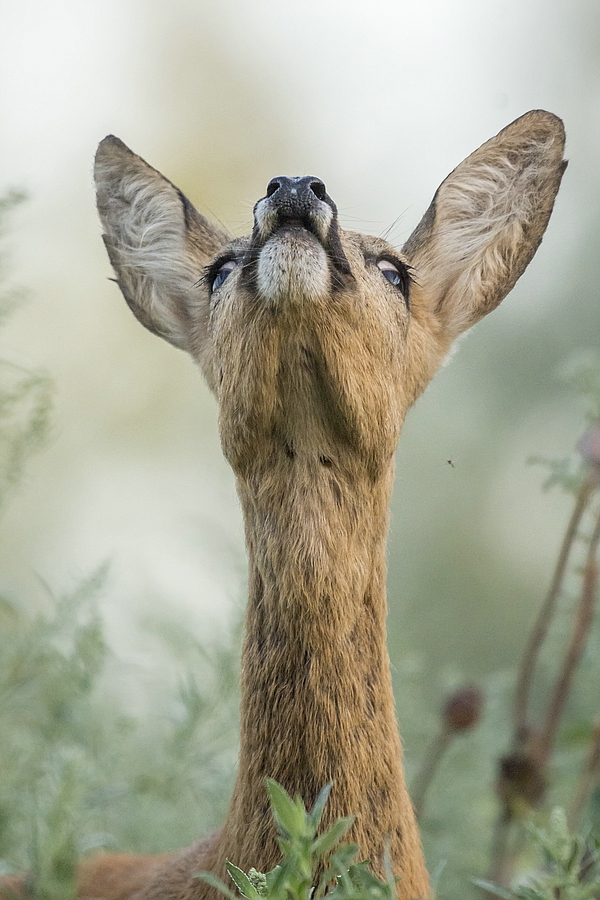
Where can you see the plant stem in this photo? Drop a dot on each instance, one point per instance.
(583, 623)
(501, 859)
(542, 624)
(430, 765)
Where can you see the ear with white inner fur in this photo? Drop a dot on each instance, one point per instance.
(157, 242)
(487, 220)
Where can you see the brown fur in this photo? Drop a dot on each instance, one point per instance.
(117, 876)
(313, 383)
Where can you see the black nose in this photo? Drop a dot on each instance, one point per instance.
(296, 193)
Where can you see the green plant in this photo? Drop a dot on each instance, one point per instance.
(80, 768)
(569, 865)
(312, 864)
(25, 395)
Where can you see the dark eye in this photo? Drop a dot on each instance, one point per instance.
(397, 274)
(222, 273)
(390, 271)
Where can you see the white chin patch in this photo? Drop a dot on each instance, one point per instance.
(292, 266)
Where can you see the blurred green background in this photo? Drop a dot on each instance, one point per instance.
(381, 99)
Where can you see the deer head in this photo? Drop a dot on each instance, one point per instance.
(371, 322)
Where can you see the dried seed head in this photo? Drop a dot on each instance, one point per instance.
(521, 784)
(462, 709)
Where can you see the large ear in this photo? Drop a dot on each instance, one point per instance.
(487, 220)
(157, 242)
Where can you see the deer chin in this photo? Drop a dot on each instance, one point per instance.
(292, 267)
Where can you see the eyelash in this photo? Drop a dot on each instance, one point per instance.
(405, 275)
(211, 271)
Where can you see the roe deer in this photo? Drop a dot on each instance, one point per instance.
(316, 341)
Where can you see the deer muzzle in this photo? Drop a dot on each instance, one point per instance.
(296, 238)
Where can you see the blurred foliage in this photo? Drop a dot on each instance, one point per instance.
(570, 865)
(25, 396)
(79, 770)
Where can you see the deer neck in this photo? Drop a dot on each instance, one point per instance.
(317, 703)
(316, 690)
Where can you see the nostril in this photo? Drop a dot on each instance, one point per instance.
(273, 186)
(318, 189)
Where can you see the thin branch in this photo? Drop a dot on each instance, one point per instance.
(583, 623)
(524, 739)
(497, 872)
(430, 765)
(542, 624)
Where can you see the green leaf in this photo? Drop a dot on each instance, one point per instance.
(328, 840)
(290, 816)
(242, 882)
(363, 878)
(216, 882)
(495, 889)
(276, 880)
(316, 812)
(342, 860)
(339, 865)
